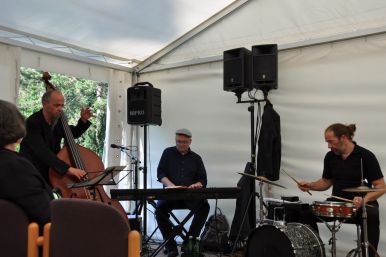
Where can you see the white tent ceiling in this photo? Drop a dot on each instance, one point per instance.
(125, 30)
(132, 32)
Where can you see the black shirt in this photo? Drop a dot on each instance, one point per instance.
(43, 142)
(23, 185)
(182, 170)
(347, 173)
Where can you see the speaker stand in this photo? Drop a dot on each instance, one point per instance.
(251, 109)
(145, 180)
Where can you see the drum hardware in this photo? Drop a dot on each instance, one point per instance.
(363, 189)
(286, 209)
(274, 213)
(339, 211)
(294, 179)
(334, 228)
(357, 251)
(364, 219)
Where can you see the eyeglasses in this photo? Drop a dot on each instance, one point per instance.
(182, 142)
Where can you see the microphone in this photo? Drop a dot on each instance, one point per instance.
(119, 147)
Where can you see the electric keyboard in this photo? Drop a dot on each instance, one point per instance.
(175, 193)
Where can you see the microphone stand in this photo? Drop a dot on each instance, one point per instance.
(135, 162)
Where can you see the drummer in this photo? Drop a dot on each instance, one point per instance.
(343, 167)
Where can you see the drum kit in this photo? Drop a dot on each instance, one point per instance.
(278, 238)
(281, 239)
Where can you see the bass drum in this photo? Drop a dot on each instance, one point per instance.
(290, 240)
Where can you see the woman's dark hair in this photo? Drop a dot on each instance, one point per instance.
(340, 129)
(12, 124)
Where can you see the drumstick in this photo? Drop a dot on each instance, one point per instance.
(296, 181)
(345, 199)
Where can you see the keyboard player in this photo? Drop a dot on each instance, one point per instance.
(180, 166)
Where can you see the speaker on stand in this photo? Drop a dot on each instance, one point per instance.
(264, 67)
(144, 108)
(144, 105)
(237, 70)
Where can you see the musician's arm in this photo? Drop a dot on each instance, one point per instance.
(162, 175)
(372, 196)
(318, 185)
(166, 182)
(80, 128)
(202, 177)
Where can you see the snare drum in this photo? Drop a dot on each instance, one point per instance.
(333, 209)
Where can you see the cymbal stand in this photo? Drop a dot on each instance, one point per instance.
(364, 226)
(364, 216)
(261, 201)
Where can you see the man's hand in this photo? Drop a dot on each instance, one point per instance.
(77, 173)
(85, 114)
(357, 201)
(304, 186)
(196, 185)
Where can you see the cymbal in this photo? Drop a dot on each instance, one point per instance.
(262, 179)
(363, 189)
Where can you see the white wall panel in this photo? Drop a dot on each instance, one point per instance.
(9, 72)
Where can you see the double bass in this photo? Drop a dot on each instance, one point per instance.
(82, 158)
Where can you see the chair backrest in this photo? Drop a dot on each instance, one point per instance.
(13, 230)
(85, 228)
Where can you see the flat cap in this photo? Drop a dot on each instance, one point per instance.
(184, 132)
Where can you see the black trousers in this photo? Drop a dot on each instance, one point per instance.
(164, 207)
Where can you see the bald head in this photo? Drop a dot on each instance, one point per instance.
(53, 103)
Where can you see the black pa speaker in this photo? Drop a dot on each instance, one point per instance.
(264, 66)
(143, 105)
(237, 70)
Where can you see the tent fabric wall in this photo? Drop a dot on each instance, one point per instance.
(9, 72)
(318, 85)
(285, 22)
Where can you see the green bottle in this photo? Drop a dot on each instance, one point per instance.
(196, 247)
(190, 247)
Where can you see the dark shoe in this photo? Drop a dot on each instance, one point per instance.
(173, 253)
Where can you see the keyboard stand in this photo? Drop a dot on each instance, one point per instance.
(176, 231)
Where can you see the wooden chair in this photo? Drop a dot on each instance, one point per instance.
(18, 237)
(85, 228)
